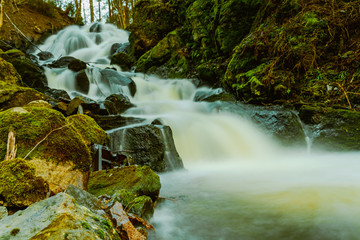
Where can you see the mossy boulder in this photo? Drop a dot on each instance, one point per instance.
(58, 217)
(333, 129)
(32, 74)
(168, 58)
(77, 65)
(31, 125)
(88, 129)
(19, 186)
(12, 95)
(152, 21)
(137, 180)
(8, 73)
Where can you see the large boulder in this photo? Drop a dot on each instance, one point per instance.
(123, 60)
(333, 129)
(8, 73)
(135, 179)
(152, 21)
(82, 83)
(12, 95)
(147, 145)
(32, 75)
(45, 138)
(88, 129)
(115, 121)
(58, 217)
(19, 186)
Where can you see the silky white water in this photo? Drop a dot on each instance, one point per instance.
(238, 183)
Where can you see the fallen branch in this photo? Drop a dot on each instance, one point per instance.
(347, 98)
(47, 135)
(11, 147)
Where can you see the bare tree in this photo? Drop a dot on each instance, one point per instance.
(99, 1)
(2, 13)
(91, 11)
(78, 10)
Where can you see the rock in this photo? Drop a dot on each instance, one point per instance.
(146, 31)
(32, 75)
(82, 83)
(115, 121)
(333, 129)
(123, 60)
(86, 103)
(19, 186)
(58, 217)
(39, 103)
(77, 65)
(84, 198)
(123, 224)
(8, 73)
(146, 145)
(61, 158)
(95, 27)
(88, 129)
(43, 56)
(120, 47)
(63, 62)
(137, 180)
(166, 53)
(15, 96)
(109, 77)
(213, 95)
(142, 206)
(57, 94)
(3, 212)
(117, 103)
(284, 125)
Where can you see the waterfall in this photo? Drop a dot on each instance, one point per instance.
(240, 183)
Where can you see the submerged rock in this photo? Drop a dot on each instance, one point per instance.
(109, 76)
(147, 145)
(95, 27)
(62, 62)
(123, 60)
(82, 83)
(19, 185)
(58, 217)
(213, 95)
(77, 65)
(43, 56)
(115, 121)
(135, 179)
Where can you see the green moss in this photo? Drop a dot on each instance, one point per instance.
(31, 125)
(137, 180)
(8, 73)
(14, 96)
(85, 225)
(19, 186)
(101, 233)
(88, 129)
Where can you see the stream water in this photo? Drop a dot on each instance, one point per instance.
(238, 182)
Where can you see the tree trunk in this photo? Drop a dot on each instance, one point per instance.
(99, 10)
(91, 11)
(2, 13)
(110, 11)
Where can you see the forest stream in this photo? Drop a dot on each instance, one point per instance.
(238, 182)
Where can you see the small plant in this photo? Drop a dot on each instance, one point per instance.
(101, 233)
(14, 232)
(85, 225)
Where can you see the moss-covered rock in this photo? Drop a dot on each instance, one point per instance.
(138, 180)
(334, 129)
(31, 125)
(15, 96)
(58, 217)
(88, 129)
(117, 103)
(152, 21)
(32, 75)
(8, 73)
(19, 186)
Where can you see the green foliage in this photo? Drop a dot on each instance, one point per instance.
(85, 225)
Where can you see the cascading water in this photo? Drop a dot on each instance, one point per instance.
(240, 184)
